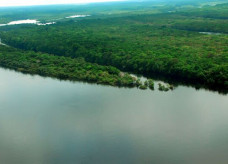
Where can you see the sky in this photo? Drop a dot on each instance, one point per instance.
(43, 2)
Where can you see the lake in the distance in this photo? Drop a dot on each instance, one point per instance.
(47, 121)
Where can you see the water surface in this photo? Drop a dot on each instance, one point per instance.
(44, 120)
(27, 21)
(78, 16)
(210, 33)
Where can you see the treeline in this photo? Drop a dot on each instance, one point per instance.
(144, 44)
(63, 68)
(220, 11)
(203, 25)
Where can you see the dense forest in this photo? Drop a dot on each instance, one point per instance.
(111, 9)
(64, 68)
(187, 45)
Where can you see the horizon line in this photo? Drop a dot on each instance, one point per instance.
(50, 4)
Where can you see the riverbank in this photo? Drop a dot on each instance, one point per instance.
(77, 69)
(47, 114)
(63, 68)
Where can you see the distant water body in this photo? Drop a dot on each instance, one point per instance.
(27, 21)
(44, 120)
(34, 21)
(78, 16)
(210, 33)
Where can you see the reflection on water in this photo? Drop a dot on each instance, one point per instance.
(55, 122)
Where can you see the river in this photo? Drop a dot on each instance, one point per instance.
(47, 121)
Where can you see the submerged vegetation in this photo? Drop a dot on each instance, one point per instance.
(151, 84)
(147, 84)
(162, 87)
(153, 42)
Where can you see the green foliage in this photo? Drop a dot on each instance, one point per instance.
(138, 83)
(151, 84)
(162, 87)
(143, 87)
(62, 67)
(164, 44)
(171, 87)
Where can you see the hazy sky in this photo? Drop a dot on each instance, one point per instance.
(41, 2)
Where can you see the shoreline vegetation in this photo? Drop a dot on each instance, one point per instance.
(75, 69)
(65, 68)
(174, 46)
